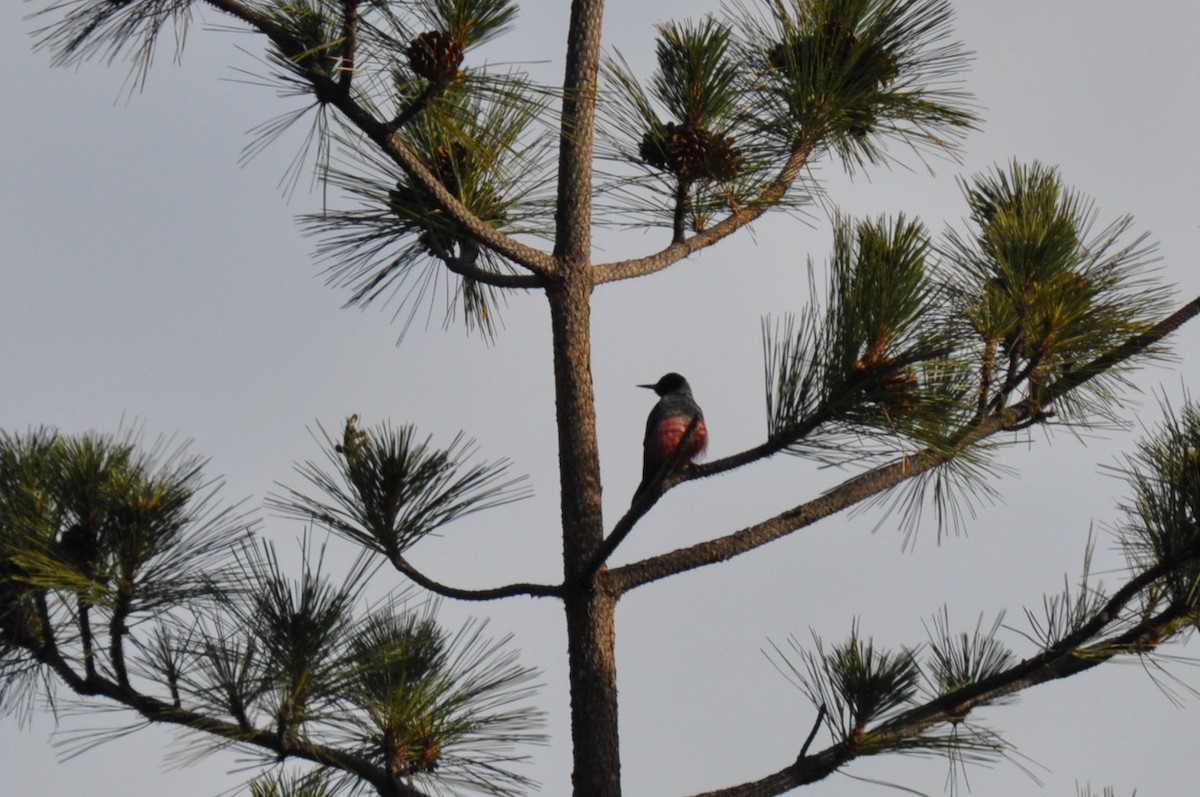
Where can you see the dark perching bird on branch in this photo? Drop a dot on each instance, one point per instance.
(666, 427)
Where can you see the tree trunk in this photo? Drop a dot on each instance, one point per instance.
(594, 735)
(589, 607)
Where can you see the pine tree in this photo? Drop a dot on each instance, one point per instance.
(126, 583)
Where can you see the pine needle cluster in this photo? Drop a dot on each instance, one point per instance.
(850, 75)
(918, 343)
(388, 489)
(1162, 519)
(923, 699)
(121, 577)
(870, 358)
(733, 99)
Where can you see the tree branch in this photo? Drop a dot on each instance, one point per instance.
(884, 477)
(86, 638)
(771, 446)
(45, 650)
(464, 265)
(509, 591)
(1077, 376)
(1061, 660)
(682, 205)
(1055, 663)
(643, 500)
(327, 89)
(410, 111)
(805, 769)
(350, 20)
(812, 734)
(738, 217)
(155, 710)
(747, 539)
(117, 630)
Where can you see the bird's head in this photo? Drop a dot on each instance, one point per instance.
(671, 383)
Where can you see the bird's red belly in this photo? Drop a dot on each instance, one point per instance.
(667, 435)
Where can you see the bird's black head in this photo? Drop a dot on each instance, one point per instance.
(669, 384)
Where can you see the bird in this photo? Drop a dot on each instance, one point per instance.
(666, 426)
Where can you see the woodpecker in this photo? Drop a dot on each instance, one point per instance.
(665, 427)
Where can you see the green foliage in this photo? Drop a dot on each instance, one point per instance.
(313, 35)
(298, 627)
(872, 357)
(452, 26)
(1066, 612)
(97, 536)
(278, 784)
(855, 683)
(957, 660)
(696, 82)
(696, 79)
(93, 528)
(112, 30)
(731, 101)
(313, 29)
(848, 75)
(227, 676)
(400, 239)
(1162, 524)
(91, 515)
(1039, 292)
(445, 709)
(917, 342)
(434, 707)
(473, 22)
(25, 518)
(389, 490)
(686, 132)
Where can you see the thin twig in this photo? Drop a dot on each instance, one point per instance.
(813, 733)
(509, 591)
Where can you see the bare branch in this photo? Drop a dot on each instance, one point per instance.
(466, 265)
(805, 769)
(86, 638)
(816, 727)
(738, 218)
(509, 591)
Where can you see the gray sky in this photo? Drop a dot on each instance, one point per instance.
(145, 276)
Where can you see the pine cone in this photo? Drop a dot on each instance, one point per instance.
(435, 55)
(690, 152)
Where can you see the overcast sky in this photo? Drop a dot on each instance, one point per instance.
(145, 277)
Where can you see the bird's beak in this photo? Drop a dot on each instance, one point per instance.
(648, 387)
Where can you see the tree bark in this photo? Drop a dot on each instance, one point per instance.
(589, 606)
(588, 603)
(594, 732)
